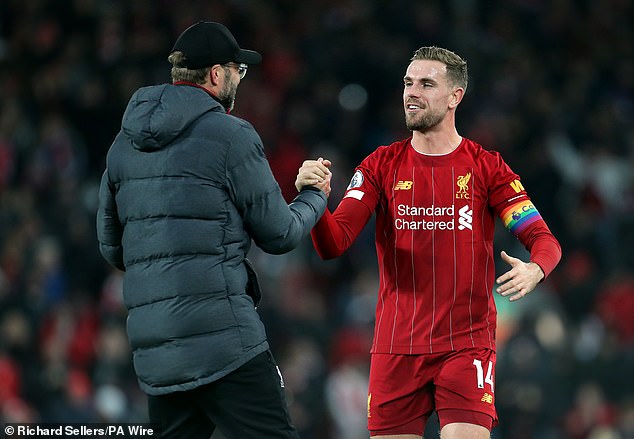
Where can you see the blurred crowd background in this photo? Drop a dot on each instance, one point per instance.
(551, 88)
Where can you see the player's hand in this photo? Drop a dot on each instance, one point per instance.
(314, 173)
(520, 280)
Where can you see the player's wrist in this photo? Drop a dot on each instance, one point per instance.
(537, 269)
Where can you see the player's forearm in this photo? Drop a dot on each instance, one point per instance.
(326, 237)
(543, 246)
(546, 252)
(335, 232)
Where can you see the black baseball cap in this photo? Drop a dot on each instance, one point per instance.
(207, 43)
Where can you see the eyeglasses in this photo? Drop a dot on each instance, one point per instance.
(242, 68)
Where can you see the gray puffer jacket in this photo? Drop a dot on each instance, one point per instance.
(186, 189)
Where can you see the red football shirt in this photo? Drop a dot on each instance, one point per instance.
(435, 217)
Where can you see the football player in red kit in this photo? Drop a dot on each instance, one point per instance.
(435, 196)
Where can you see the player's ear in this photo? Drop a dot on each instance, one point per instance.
(456, 97)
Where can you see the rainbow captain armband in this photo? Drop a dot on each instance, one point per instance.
(519, 216)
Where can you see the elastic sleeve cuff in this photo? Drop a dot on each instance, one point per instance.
(547, 257)
(311, 188)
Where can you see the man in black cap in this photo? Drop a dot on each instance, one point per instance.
(186, 188)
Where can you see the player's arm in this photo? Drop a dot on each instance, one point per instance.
(522, 219)
(510, 201)
(335, 232)
(543, 246)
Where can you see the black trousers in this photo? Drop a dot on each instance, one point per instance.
(247, 403)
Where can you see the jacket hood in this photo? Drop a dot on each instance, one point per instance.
(156, 115)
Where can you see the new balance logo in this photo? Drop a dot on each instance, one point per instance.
(487, 398)
(403, 185)
(465, 219)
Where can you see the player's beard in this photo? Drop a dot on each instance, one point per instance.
(227, 95)
(423, 120)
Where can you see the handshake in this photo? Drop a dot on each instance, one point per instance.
(314, 173)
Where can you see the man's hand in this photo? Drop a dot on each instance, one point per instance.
(520, 280)
(314, 173)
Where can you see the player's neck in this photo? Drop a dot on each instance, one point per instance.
(436, 142)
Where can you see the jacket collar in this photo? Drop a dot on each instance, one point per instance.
(193, 84)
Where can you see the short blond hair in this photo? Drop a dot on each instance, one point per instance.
(456, 66)
(198, 76)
